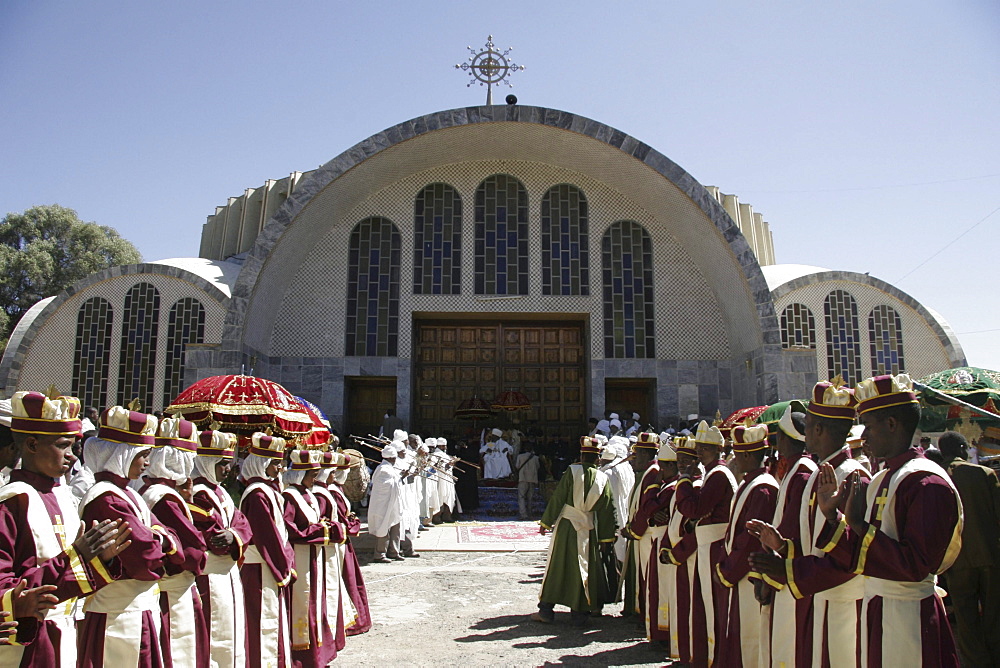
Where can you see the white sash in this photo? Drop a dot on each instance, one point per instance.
(740, 500)
(277, 514)
(224, 505)
(786, 482)
(51, 539)
(580, 514)
(155, 493)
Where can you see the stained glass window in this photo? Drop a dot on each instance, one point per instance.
(885, 331)
(136, 366)
(627, 267)
(843, 344)
(501, 236)
(437, 241)
(565, 264)
(373, 289)
(93, 352)
(186, 325)
(798, 327)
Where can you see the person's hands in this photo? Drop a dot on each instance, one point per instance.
(827, 492)
(763, 592)
(665, 556)
(541, 530)
(768, 536)
(661, 517)
(120, 543)
(6, 628)
(33, 602)
(222, 539)
(100, 536)
(768, 564)
(857, 501)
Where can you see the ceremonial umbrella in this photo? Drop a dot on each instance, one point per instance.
(473, 409)
(511, 400)
(243, 404)
(739, 417)
(773, 413)
(964, 398)
(320, 434)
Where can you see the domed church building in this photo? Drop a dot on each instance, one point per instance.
(473, 251)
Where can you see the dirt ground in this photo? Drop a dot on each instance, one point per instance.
(471, 609)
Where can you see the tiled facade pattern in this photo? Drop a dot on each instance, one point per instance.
(372, 320)
(185, 325)
(501, 234)
(137, 364)
(627, 263)
(843, 336)
(798, 327)
(565, 245)
(93, 352)
(885, 333)
(437, 241)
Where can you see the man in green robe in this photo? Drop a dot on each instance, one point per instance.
(581, 516)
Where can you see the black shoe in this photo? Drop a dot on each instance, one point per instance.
(382, 560)
(422, 528)
(412, 555)
(398, 557)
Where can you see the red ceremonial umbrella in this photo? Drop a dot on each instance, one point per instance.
(320, 434)
(739, 417)
(473, 409)
(511, 400)
(243, 404)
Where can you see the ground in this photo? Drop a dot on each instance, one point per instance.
(471, 608)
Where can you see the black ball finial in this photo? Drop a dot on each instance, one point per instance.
(511, 99)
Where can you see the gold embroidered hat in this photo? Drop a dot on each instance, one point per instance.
(36, 413)
(306, 460)
(179, 433)
(266, 445)
(647, 441)
(884, 392)
(216, 444)
(588, 444)
(833, 399)
(709, 435)
(121, 425)
(749, 438)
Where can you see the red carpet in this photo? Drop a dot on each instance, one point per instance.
(500, 532)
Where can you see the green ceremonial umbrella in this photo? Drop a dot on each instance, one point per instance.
(773, 413)
(965, 393)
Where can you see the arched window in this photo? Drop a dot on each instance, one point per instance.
(437, 241)
(627, 265)
(798, 328)
(186, 324)
(373, 289)
(501, 236)
(885, 331)
(137, 364)
(565, 259)
(93, 352)
(843, 344)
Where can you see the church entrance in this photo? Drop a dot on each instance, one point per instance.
(368, 397)
(631, 395)
(456, 359)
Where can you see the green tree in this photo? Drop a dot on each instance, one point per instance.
(44, 251)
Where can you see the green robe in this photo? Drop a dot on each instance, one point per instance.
(562, 584)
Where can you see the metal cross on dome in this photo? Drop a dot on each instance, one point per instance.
(490, 67)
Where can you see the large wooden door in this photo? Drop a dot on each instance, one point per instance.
(366, 399)
(631, 395)
(545, 361)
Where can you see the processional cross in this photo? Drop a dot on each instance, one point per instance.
(490, 67)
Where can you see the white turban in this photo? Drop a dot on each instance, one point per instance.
(608, 454)
(635, 416)
(111, 457)
(170, 463)
(430, 443)
(255, 466)
(399, 435)
(389, 451)
(603, 426)
(496, 432)
(613, 416)
(620, 445)
(204, 467)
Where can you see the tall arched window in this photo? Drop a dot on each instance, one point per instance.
(843, 343)
(885, 332)
(798, 327)
(186, 324)
(137, 364)
(627, 266)
(373, 289)
(437, 241)
(565, 259)
(93, 352)
(501, 236)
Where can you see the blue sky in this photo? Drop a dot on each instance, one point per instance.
(865, 133)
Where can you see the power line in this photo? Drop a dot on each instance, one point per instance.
(947, 245)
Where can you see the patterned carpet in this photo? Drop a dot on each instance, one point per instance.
(500, 532)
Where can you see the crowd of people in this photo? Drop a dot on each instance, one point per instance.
(786, 548)
(152, 562)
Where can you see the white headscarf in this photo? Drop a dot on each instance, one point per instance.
(324, 474)
(170, 463)
(204, 467)
(255, 466)
(340, 475)
(111, 457)
(294, 477)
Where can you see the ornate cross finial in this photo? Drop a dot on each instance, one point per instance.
(490, 67)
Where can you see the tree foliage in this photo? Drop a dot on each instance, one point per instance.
(45, 250)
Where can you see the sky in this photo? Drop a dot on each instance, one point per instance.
(865, 133)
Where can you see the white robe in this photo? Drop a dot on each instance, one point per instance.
(622, 480)
(385, 508)
(495, 461)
